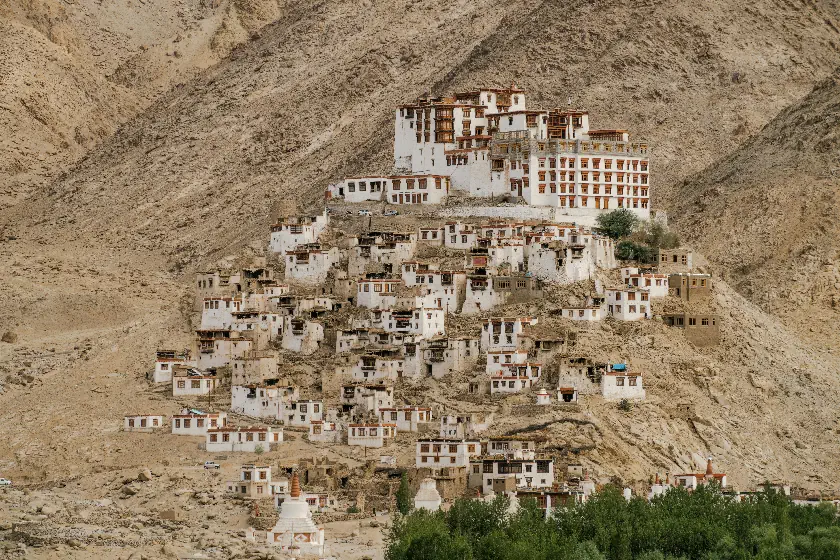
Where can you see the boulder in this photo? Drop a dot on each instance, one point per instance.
(145, 475)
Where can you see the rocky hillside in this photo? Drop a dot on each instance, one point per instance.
(182, 161)
(766, 215)
(72, 72)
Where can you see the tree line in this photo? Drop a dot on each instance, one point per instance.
(679, 525)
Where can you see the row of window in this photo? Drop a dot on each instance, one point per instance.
(143, 423)
(249, 436)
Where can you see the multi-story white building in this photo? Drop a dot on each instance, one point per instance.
(503, 333)
(495, 473)
(301, 413)
(287, 234)
(375, 365)
(302, 335)
(247, 439)
(443, 356)
(377, 293)
(218, 312)
(261, 400)
(311, 263)
(254, 483)
(423, 321)
(629, 304)
(490, 145)
(368, 398)
(463, 425)
(437, 453)
(393, 189)
(386, 249)
(165, 362)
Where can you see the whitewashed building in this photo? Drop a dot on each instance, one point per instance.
(371, 435)
(311, 263)
(196, 423)
(301, 413)
(407, 418)
(261, 400)
(324, 432)
(143, 422)
(629, 304)
(617, 384)
(247, 439)
(287, 234)
(437, 453)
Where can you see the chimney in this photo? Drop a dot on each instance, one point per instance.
(709, 470)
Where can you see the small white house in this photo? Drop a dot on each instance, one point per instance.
(254, 483)
(463, 425)
(656, 284)
(193, 384)
(502, 333)
(622, 384)
(143, 422)
(165, 362)
(247, 439)
(509, 384)
(567, 395)
(590, 313)
(324, 432)
(371, 435)
(195, 423)
(407, 418)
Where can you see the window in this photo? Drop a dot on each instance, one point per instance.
(214, 438)
(187, 423)
(488, 468)
(131, 422)
(704, 321)
(619, 382)
(632, 381)
(195, 384)
(182, 384)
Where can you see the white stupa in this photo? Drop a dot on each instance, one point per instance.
(543, 398)
(427, 496)
(295, 531)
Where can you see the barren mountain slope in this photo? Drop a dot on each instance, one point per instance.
(766, 216)
(94, 268)
(71, 72)
(313, 98)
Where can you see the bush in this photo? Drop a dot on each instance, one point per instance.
(618, 224)
(631, 251)
(259, 450)
(625, 405)
(353, 509)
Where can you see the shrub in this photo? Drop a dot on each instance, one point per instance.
(619, 223)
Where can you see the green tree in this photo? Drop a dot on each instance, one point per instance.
(619, 223)
(404, 497)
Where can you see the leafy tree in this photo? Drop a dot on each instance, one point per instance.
(632, 251)
(619, 223)
(404, 497)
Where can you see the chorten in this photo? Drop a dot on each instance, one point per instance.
(295, 531)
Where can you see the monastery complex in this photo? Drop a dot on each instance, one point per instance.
(335, 338)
